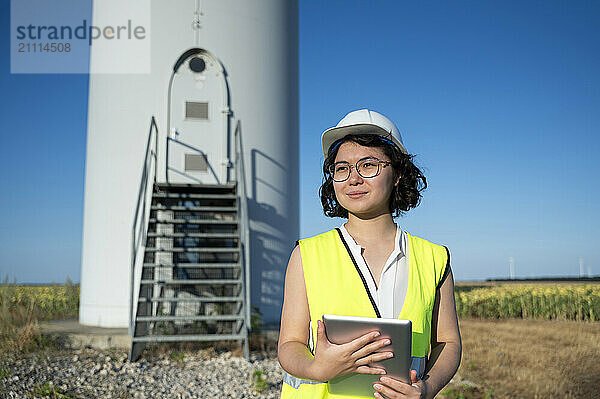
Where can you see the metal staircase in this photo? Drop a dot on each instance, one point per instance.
(189, 260)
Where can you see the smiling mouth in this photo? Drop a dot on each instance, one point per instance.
(356, 195)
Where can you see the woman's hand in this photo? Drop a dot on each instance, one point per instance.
(393, 388)
(333, 360)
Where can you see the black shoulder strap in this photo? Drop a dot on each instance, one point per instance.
(446, 271)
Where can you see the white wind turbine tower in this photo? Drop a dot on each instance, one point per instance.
(191, 188)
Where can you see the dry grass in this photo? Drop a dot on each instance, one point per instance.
(530, 359)
(21, 307)
(503, 358)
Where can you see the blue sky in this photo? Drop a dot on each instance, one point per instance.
(499, 100)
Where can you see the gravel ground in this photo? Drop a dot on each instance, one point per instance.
(89, 373)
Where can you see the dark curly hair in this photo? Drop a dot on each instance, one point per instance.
(406, 195)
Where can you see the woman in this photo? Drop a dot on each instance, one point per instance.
(368, 267)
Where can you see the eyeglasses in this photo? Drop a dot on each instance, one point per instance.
(366, 167)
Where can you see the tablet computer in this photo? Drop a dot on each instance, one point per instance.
(343, 329)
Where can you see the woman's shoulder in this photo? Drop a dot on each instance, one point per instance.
(422, 242)
(435, 255)
(319, 237)
(311, 243)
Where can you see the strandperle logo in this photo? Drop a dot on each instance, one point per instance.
(80, 36)
(81, 32)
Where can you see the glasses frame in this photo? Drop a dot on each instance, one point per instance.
(355, 166)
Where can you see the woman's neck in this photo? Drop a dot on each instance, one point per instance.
(371, 229)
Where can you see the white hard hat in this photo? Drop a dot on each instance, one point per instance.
(362, 121)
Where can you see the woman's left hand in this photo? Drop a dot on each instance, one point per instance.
(388, 387)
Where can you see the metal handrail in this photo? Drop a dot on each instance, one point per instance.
(140, 219)
(244, 217)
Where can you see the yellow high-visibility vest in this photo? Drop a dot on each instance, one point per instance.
(335, 285)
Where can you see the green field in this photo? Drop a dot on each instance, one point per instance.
(21, 307)
(541, 301)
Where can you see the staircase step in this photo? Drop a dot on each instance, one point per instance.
(196, 265)
(193, 214)
(192, 249)
(203, 299)
(194, 235)
(194, 208)
(224, 317)
(193, 221)
(194, 196)
(176, 338)
(192, 282)
(212, 189)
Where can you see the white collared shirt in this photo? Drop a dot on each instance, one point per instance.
(389, 294)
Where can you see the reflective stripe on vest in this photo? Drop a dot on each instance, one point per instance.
(334, 285)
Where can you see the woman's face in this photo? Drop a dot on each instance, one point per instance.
(364, 197)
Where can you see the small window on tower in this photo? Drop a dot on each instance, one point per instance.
(196, 163)
(195, 110)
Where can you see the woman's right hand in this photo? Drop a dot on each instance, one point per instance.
(333, 360)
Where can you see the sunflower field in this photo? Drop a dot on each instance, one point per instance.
(38, 302)
(580, 302)
(21, 307)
